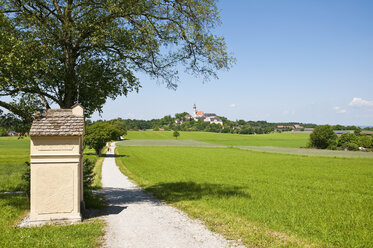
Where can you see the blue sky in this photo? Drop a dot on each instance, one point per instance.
(305, 61)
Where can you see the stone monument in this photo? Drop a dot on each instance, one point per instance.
(56, 166)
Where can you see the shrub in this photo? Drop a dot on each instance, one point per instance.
(26, 176)
(98, 134)
(365, 141)
(88, 174)
(351, 146)
(176, 134)
(323, 137)
(346, 139)
(3, 132)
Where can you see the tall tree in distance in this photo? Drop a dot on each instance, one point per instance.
(60, 52)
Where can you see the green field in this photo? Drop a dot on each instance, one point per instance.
(14, 153)
(13, 208)
(262, 199)
(273, 139)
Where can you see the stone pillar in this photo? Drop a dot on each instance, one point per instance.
(56, 166)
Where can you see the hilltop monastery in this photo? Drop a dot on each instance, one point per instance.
(207, 117)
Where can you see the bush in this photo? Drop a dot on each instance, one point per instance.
(351, 146)
(26, 178)
(98, 134)
(88, 175)
(323, 137)
(347, 139)
(176, 134)
(3, 132)
(365, 141)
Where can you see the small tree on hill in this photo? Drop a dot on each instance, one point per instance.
(98, 134)
(323, 137)
(176, 134)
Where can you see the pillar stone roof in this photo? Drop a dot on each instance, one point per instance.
(57, 122)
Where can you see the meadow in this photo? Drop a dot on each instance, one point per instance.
(261, 199)
(14, 153)
(273, 139)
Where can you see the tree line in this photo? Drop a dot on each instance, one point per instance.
(324, 137)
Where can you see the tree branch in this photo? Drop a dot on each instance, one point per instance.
(16, 111)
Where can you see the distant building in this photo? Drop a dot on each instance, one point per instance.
(179, 122)
(206, 117)
(284, 127)
(298, 128)
(367, 133)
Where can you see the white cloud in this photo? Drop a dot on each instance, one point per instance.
(233, 105)
(359, 102)
(339, 109)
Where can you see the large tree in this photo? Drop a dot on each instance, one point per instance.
(60, 52)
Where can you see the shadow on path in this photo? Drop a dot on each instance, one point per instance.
(118, 199)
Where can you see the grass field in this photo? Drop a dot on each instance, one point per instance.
(262, 199)
(13, 153)
(273, 139)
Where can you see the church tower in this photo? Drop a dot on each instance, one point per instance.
(194, 111)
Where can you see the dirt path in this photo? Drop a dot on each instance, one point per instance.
(308, 152)
(167, 142)
(135, 219)
(272, 149)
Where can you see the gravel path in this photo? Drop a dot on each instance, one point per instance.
(308, 152)
(271, 149)
(167, 142)
(135, 219)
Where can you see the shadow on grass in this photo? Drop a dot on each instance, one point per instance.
(118, 199)
(189, 191)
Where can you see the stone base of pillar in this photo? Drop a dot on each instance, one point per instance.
(30, 222)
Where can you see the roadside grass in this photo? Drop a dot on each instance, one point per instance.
(261, 199)
(14, 153)
(97, 160)
(272, 139)
(14, 207)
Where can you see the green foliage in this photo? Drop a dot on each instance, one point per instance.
(323, 137)
(176, 134)
(88, 175)
(15, 207)
(351, 146)
(120, 125)
(26, 178)
(3, 132)
(348, 141)
(357, 131)
(51, 50)
(98, 134)
(365, 141)
(263, 199)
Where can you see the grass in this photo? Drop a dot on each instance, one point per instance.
(13, 153)
(262, 199)
(91, 155)
(14, 207)
(273, 139)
